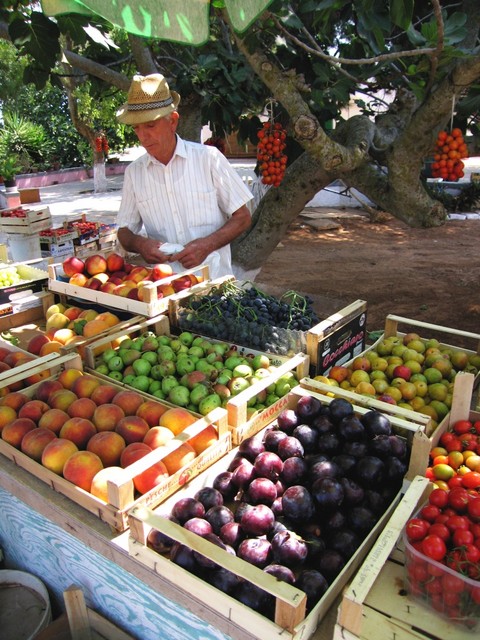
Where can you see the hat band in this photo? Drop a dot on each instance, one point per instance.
(150, 105)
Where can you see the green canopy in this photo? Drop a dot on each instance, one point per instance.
(185, 21)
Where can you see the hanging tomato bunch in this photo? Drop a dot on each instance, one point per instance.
(271, 159)
(450, 149)
(101, 143)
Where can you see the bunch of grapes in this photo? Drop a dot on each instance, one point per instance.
(272, 160)
(9, 277)
(450, 149)
(249, 317)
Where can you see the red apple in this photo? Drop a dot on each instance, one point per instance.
(73, 265)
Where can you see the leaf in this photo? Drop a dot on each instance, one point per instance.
(455, 30)
(415, 37)
(38, 38)
(401, 12)
(100, 38)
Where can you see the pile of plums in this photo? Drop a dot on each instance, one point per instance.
(297, 500)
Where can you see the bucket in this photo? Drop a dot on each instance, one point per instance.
(24, 605)
(24, 247)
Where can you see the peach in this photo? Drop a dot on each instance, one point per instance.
(62, 335)
(177, 419)
(3, 353)
(53, 346)
(37, 377)
(137, 274)
(95, 264)
(56, 453)
(99, 487)
(84, 386)
(14, 431)
(180, 457)
(160, 271)
(73, 265)
(53, 419)
(34, 442)
(68, 376)
(61, 399)
(132, 429)
(78, 280)
(104, 394)
(129, 401)
(7, 414)
(151, 411)
(36, 343)
(179, 284)
(33, 409)
(13, 358)
(124, 289)
(204, 439)
(15, 400)
(157, 437)
(115, 262)
(81, 468)
(107, 416)
(88, 314)
(165, 290)
(78, 430)
(109, 287)
(72, 313)
(95, 327)
(82, 408)
(129, 455)
(4, 367)
(45, 388)
(151, 477)
(57, 321)
(108, 445)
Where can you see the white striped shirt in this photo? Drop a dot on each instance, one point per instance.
(189, 198)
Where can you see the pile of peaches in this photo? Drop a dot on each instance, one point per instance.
(9, 359)
(112, 274)
(85, 430)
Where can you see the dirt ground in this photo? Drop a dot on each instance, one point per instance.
(431, 275)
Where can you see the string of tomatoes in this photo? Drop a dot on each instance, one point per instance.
(101, 143)
(272, 161)
(450, 149)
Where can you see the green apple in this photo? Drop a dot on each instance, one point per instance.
(102, 369)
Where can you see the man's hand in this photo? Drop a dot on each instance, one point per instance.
(193, 254)
(148, 248)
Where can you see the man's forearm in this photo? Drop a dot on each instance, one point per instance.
(239, 222)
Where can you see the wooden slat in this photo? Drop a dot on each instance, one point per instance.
(77, 614)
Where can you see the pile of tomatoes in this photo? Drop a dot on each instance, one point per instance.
(455, 462)
(272, 160)
(446, 531)
(101, 143)
(450, 149)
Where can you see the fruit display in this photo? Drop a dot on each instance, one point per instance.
(455, 461)
(9, 360)
(450, 150)
(442, 555)
(15, 212)
(111, 274)
(248, 316)
(272, 161)
(190, 371)
(296, 500)
(69, 325)
(9, 276)
(408, 371)
(76, 426)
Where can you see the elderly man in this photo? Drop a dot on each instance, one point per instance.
(179, 193)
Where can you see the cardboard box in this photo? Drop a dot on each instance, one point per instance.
(25, 220)
(152, 306)
(30, 195)
(33, 280)
(121, 495)
(60, 250)
(375, 604)
(291, 621)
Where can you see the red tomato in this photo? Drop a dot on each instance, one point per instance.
(471, 480)
(462, 537)
(446, 437)
(439, 498)
(416, 529)
(462, 426)
(475, 527)
(456, 481)
(458, 522)
(475, 594)
(434, 587)
(429, 512)
(476, 426)
(418, 572)
(469, 441)
(453, 584)
(440, 530)
(455, 444)
(434, 547)
(458, 499)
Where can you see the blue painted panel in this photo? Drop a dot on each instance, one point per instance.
(33, 543)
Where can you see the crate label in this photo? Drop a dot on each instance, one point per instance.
(342, 345)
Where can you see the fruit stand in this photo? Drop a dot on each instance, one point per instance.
(143, 407)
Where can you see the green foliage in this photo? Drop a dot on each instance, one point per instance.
(9, 165)
(24, 140)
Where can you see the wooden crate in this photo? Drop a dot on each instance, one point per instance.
(290, 623)
(36, 219)
(34, 280)
(151, 306)
(241, 425)
(120, 488)
(375, 604)
(10, 319)
(79, 622)
(338, 338)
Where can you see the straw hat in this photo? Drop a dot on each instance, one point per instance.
(149, 98)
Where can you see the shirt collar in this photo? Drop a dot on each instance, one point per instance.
(180, 150)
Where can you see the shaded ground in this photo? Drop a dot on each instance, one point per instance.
(431, 275)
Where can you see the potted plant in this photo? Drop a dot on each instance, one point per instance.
(9, 168)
